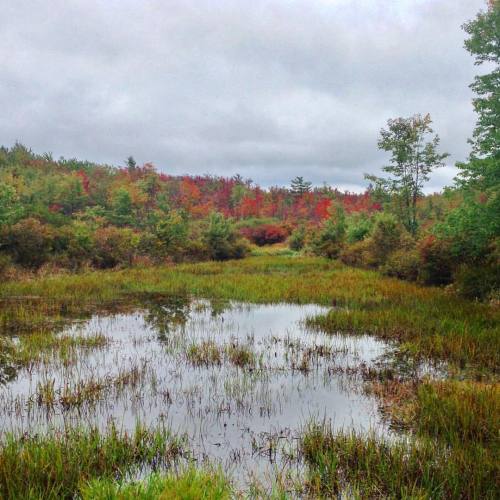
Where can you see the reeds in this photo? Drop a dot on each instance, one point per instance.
(367, 467)
(205, 354)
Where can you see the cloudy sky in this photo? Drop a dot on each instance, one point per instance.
(268, 89)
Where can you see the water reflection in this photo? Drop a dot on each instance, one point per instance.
(244, 415)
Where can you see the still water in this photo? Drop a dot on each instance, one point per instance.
(245, 416)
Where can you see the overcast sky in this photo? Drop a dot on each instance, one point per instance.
(268, 89)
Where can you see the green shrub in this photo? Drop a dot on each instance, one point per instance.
(403, 264)
(221, 239)
(477, 282)
(359, 254)
(329, 241)
(10, 208)
(385, 236)
(172, 232)
(436, 262)
(358, 228)
(114, 246)
(29, 242)
(5, 265)
(297, 239)
(73, 245)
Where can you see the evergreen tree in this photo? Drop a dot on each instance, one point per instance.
(131, 164)
(300, 186)
(484, 44)
(122, 207)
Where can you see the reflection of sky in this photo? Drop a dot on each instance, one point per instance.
(269, 90)
(223, 409)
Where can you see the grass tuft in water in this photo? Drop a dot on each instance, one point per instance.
(240, 355)
(455, 451)
(57, 465)
(191, 484)
(205, 354)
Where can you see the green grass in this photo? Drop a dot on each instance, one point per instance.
(455, 452)
(426, 321)
(58, 465)
(278, 249)
(191, 484)
(38, 347)
(367, 467)
(459, 412)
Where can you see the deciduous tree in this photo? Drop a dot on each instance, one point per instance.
(414, 155)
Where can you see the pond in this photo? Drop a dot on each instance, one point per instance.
(238, 380)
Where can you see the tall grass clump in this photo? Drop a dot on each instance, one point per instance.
(205, 354)
(240, 355)
(454, 451)
(459, 412)
(191, 484)
(360, 466)
(58, 464)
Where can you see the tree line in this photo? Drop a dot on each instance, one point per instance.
(71, 214)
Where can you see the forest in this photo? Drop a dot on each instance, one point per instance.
(71, 215)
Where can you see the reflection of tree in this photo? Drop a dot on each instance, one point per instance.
(166, 314)
(218, 306)
(8, 368)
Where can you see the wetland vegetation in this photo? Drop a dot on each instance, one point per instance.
(384, 388)
(202, 337)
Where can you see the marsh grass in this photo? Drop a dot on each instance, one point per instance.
(206, 353)
(59, 464)
(425, 321)
(459, 412)
(367, 467)
(240, 355)
(453, 411)
(455, 452)
(32, 347)
(190, 484)
(74, 394)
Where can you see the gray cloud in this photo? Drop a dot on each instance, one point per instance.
(269, 89)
